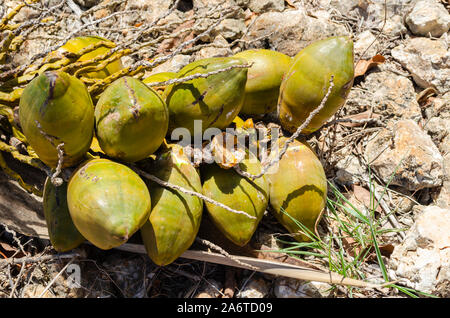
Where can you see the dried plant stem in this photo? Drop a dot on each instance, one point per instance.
(22, 269)
(197, 75)
(290, 140)
(56, 181)
(356, 121)
(189, 192)
(55, 278)
(37, 259)
(223, 252)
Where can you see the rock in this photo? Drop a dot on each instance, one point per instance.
(87, 3)
(394, 26)
(35, 291)
(437, 122)
(366, 41)
(443, 198)
(350, 170)
(261, 6)
(402, 201)
(427, 60)
(211, 289)
(175, 64)
(148, 11)
(231, 29)
(387, 94)
(256, 288)
(290, 31)
(212, 51)
(422, 261)
(198, 4)
(26, 13)
(428, 17)
(375, 10)
(293, 288)
(403, 154)
(438, 128)
(344, 7)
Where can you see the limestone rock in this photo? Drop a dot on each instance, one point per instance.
(256, 288)
(291, 30)
(231, 29)
(387, 94)
(87, 3)
(350, 170)
(260, 6)
(422, 261)
(428, 17)
(343, 6)
(427, 60)
(437, 122)
(294, 288)
(443, 198)
(173, 65)
(405, 153)
(394, 26)
(211, 289)
(367, 44)
(212, 51)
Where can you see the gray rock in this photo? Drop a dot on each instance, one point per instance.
(367, 44)
(223, 49)
(387, 94)
(210, 289)
(437, 122)
(343, 6)
(374, 12)
(350, 170)
(394, 26)
(175, 64)
(294, 288)
(291, 30)
(443, 198)
(256, 288)
(428, 17)
(260, 6)
(427, 60)
(438, 128)
(87, 3)
(422, 260)
(403, 154)
(231, 29)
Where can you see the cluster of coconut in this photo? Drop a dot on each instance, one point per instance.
(130, 129)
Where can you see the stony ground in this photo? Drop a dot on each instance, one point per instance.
(390, 141)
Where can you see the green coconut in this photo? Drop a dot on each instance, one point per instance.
(263, 80)
(214, 101)
(63, 234)
(108, 202)
(307, 80)
(298, 189)
(175, 217)
(131, 120)
(159, 77)
(56, 108)
(239, 193)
